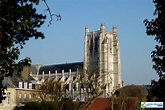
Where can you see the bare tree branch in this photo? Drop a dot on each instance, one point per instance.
(50, 13)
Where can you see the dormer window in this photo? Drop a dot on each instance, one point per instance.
(20, 85)
(25, 85)
(30, 85)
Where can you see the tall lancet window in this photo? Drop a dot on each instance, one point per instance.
(110, 45)
(96, 44)
(91, 46)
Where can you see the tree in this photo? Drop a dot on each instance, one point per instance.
(50, 90)
(156, 28)
(93, 88)
(129, 96)
(19, 22)
(67, 104)
(64, 104)
(156, 92)
(38, 106)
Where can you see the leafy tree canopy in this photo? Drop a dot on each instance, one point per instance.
(156, 93)
(51, 90)
(156, 27)
(19, 22)
(38, 106)
(64, 104)
(131, 91)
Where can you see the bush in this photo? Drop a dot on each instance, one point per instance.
(38, 106)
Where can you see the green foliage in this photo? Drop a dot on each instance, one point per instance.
(38, 106)
(64, 104)
(19, 22)
(156, 93)
(67, 104)
(131, 91)
(50, 90)
(129, 97)
(156, 27)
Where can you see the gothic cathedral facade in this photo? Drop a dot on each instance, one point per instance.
(102, 58)
(101, 66)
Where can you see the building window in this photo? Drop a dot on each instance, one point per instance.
(24, 97)
(8, 98)
(20, 97)
(30, 85)
(25, 85)
(30, 97)
(20, 84)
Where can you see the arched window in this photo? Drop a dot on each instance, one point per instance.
(91, 45)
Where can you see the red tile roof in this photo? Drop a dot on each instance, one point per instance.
(105, 103)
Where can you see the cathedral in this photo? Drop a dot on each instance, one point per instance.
(100, 68)
(102, 57)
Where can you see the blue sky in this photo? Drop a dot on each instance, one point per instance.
(64, 40)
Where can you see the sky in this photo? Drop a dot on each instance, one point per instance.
(64, 40)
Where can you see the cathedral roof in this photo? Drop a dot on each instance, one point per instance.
(60, 67)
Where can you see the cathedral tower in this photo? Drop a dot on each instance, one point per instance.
(102, 58)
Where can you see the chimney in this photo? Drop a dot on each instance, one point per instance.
(24, 73)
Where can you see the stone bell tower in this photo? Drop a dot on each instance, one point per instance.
(102, 58)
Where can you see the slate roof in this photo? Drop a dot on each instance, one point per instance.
(7, 82)
(14, 79)
(60, 67)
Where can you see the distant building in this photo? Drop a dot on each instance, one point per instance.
(10, 101)
(20, 89)
(101, 62)
(102, 58)
(99, 72)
